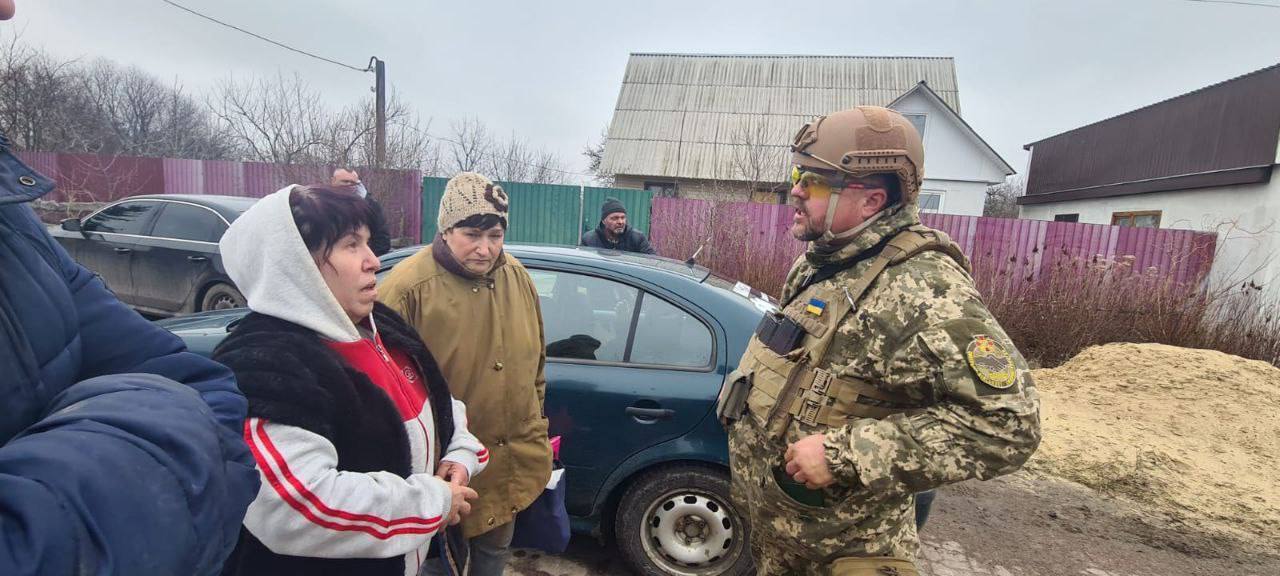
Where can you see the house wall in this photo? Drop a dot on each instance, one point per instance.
(717, 190)
(1246, 218)
(954, 161)
(958, 197)
(963, 198)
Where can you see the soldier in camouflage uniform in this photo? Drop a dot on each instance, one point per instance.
(884, 374)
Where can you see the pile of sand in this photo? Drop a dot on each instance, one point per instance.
(1191, 435)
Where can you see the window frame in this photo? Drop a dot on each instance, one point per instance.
(151, 233)
(1071, 218)
(1132, 216)
(942, 200)
(146, 226)
(673, 186)
(642, 293)
(150, 225)
(924, 121)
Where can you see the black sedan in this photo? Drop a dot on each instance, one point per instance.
(159, 254)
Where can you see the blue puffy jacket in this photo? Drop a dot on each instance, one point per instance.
(120, 452)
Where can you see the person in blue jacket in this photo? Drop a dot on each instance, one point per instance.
(120, 452)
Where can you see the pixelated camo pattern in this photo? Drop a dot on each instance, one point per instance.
(908, 334)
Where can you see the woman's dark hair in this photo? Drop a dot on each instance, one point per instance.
(325, 214)
(482, 221)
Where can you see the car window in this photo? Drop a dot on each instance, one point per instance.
(123, 218)
(187, 222)
(584, 317)
(667, 335)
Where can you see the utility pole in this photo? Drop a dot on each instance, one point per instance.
(380, 118)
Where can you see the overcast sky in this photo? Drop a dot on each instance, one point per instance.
(550, 71)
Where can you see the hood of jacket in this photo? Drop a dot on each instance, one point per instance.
(265, 256)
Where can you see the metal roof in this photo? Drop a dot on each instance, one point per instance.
(687, 115)
(1220, 135)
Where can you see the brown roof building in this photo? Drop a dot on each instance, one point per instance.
(1204, 160)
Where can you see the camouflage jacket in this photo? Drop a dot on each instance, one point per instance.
(922, 333)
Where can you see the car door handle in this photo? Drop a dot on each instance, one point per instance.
(650, 413)
(197, 258)
(121, 250)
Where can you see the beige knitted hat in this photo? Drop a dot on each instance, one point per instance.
(467, 195)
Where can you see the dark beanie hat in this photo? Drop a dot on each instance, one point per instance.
(611, 205)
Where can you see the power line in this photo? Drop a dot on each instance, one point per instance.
(1236, 2)
(265, 39)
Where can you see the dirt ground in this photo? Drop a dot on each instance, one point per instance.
(1193, 434)
(1026, 524)
(1156, 461)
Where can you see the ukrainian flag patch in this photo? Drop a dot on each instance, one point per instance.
(815, 307)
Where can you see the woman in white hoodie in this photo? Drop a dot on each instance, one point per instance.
(364, 454)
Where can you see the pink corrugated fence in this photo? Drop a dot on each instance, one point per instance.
(751, 241)
(93, 178)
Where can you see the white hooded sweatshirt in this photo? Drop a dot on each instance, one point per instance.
(306, 505)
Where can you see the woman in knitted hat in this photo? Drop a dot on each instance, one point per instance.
(365, 457)
(477, 309)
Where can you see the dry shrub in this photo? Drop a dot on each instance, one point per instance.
(1070, 304)
(1077, 303)
(735, 240)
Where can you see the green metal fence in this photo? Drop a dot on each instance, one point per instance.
(546, 213)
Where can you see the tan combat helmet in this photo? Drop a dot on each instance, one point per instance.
(859, 142)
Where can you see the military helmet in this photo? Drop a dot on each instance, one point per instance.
(862, 141)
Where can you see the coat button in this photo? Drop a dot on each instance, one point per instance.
(489, 521)
(502, 442)
(26, 181)
(474, 289)
(497, 365)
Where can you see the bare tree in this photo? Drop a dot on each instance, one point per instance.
(469, 146)
(510, 161)
(351, 138)
(547, 168)
(757, 158)
(39, 108)
(1002, 198)
(281, 120)
(595, 159)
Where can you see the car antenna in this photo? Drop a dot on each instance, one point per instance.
(690, 261)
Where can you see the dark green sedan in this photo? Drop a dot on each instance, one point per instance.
(637, 350)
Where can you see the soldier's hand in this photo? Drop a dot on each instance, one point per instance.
(807, 462)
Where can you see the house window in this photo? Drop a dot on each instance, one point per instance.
(1066, 217)
(917, 120)
(1145, 219)
(930, 201)
(666, 189)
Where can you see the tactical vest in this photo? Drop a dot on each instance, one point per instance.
(778, 387)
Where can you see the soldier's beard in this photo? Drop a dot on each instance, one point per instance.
(804, 231)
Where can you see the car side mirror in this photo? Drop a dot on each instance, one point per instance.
(71, 225)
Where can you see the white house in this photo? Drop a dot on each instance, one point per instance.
(1205, 160)
(714, 126)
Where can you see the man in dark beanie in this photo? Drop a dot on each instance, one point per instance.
(613, 233)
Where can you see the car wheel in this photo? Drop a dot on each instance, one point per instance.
(680, 521)
(221, 297)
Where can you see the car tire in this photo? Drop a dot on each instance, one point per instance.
(680, 521)
(221, 297)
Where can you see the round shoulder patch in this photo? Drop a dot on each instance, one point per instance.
(991, 362)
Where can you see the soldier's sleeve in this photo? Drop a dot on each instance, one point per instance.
(984, 421)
